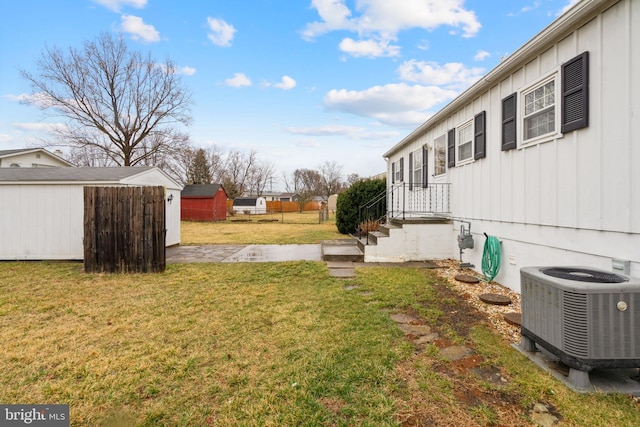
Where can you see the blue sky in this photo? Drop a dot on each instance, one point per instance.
(301, 82)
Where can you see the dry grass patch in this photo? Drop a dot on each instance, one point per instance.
(219, 344)
(295, 229)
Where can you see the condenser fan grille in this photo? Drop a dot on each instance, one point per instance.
(583, 275)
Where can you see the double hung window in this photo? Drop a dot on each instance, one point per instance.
(540, 111)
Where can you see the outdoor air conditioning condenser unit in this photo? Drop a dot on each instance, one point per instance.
(586, 317)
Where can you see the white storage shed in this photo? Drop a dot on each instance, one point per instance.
(42, 209)
(250, 205)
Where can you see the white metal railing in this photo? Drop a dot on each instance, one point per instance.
(411, 200)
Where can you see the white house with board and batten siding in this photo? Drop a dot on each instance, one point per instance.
(542, 153)
(42, 213)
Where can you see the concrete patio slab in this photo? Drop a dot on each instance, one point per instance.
(243, 253)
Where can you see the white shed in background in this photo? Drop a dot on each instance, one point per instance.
(250, 205)
(42, 209)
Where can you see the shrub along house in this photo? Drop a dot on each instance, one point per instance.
(42, 213)
(203, 202)
(541, 153)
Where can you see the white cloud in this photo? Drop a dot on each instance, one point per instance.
(352, 132)
(452, 74)
(221, 32)
(568, 6)
(39, 100)
(535, 5)
(4, 138)
(39, 127)
(187, 71)
(306, 143)
(116, 5)
(238, 80)
(481, 55)
(386, 18)
(369, 48)
(324, 130)
(392, 104)
(335, 15)
(135, 26)
(423, 45)
(286, 83)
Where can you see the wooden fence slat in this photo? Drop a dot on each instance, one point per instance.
(124, 229)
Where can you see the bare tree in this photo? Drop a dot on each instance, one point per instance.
(236, 171)
(88, 156)
(216, 158)
(177, 165)
(306, 183)
(352, 179)
(332, 183)
(261, 176)
(116, 101)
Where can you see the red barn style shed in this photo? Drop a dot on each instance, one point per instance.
(203, 202)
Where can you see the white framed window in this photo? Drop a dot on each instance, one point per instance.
(440, 155)
(539, 110)
(397, 170)
(547, 109)
(464, 142)
(417, 167)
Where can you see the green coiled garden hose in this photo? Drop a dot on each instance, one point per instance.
(491, 258)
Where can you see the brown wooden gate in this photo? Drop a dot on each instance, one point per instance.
(124, 229)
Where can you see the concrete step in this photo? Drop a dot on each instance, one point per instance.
(346, 250)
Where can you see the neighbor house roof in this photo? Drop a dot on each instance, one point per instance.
(87, 175)
(4, 153)
(200, 190)
(578, 15)
(13, 152)
(288, 195)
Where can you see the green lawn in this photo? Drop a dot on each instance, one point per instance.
(265, 344)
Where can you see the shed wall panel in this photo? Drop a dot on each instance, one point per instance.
(41, 222)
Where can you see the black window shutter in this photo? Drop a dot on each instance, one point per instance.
(410, 171)
(393, 172)
(451, 148)
(401, 169)
(509, 122)
(425, 167)
(575, 93)
(479, 137)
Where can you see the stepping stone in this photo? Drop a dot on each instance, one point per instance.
(342, 273)
(426, 339)
(351, 287)
(404, 318)
(415, 329)
(466, 278)
(456, 352)
(495, 299)
(514, 319)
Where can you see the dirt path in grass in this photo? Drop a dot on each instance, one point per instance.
(450, 383)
